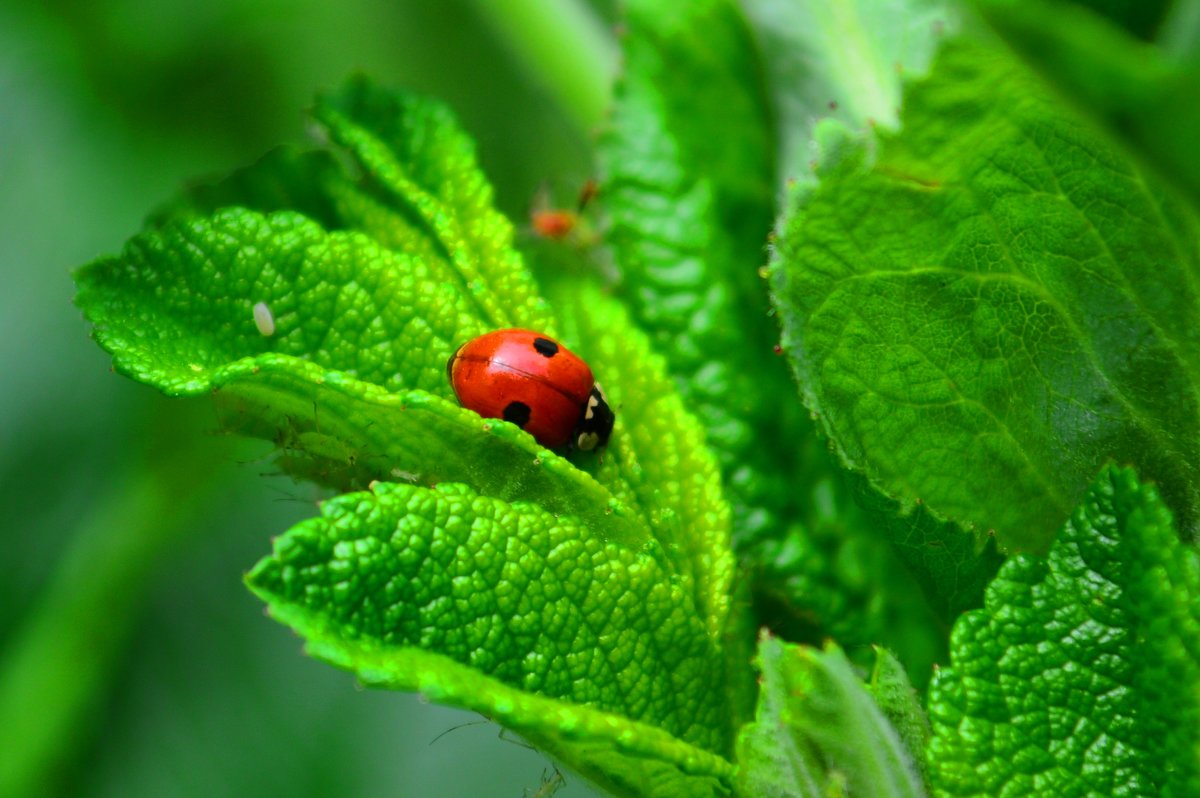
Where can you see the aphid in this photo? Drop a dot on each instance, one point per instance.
(559, 223)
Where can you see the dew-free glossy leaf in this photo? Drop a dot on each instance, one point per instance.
(535, 601)
(1081, 675)
(995, 307)
(332, 343)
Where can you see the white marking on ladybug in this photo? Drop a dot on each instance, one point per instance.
(587, 441)
(592, 402)
(263, 319)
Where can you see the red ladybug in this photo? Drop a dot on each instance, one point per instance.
(536, 383)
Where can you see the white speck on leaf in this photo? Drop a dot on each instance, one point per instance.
(263, 319)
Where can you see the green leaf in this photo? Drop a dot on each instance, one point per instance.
(952, 569)
(819, 731)
(835, 69)
(1141, 94)
(410, 181)
(686, 181)
(346, 433)
(352, 381)
(1081, 675)
(659, 455)
(418, 163)
(626, 659)
(399, 582)
(179, 302)
(994, 307)
(899, 702)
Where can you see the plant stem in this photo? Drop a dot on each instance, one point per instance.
(564, 47)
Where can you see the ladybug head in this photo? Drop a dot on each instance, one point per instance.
(596, 424)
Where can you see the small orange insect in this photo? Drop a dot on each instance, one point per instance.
(557, 224)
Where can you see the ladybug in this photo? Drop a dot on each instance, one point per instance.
(535, 382)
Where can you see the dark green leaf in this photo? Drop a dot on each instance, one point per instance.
(688, 178)
(994, 307)
(1143, 96)
(950, 565)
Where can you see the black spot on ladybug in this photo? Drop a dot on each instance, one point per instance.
(545, 347)
(517, 413)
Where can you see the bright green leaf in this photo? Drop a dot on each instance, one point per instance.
(352, 382)
(538, 602)
(332, 342)
(412, 184)
(346, 433)
(994, 307)
(420, 164)
(819, 731)
(687, 182)
(658, 449)
(1081, 676)
(179, 302)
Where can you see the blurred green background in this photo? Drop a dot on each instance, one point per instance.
(132, 660)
